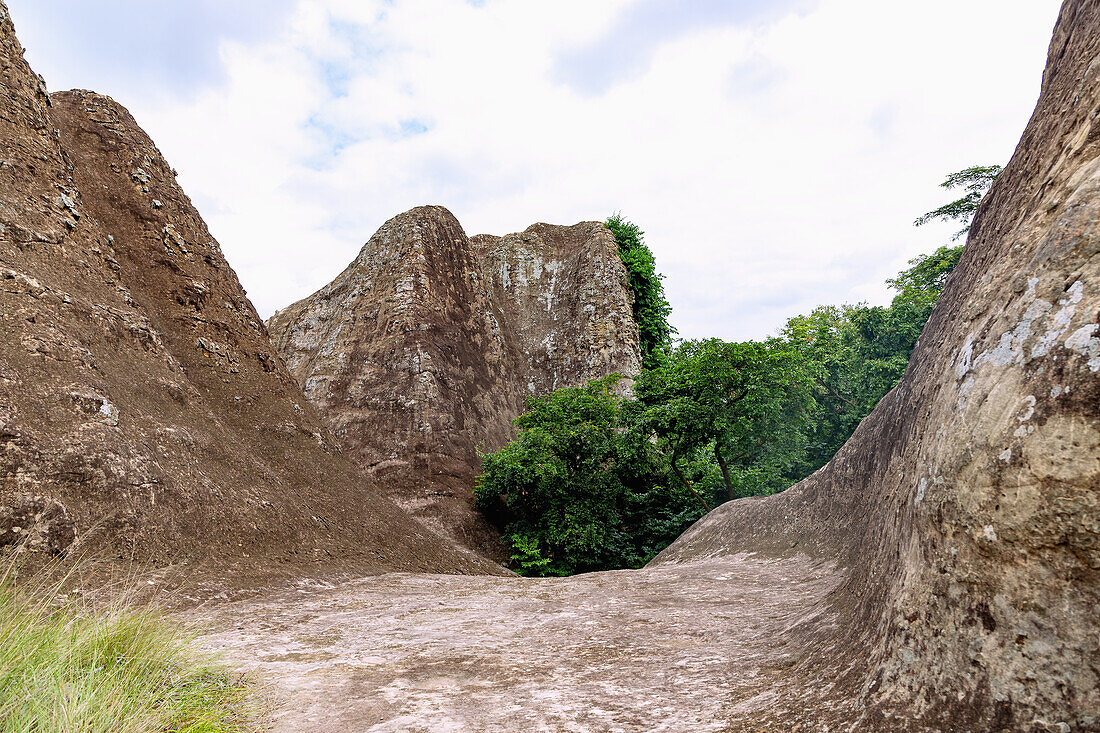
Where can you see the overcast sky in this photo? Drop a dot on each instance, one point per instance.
(775, 152)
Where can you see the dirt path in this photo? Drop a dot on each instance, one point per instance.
(674, 648)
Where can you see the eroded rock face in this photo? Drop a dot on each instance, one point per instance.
(562, 290)
(139, 393)
(36, 523)
(966, 507)
(422, 351)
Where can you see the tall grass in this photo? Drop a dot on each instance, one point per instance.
(68, 668)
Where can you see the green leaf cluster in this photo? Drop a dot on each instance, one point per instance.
(748, 405)
(651, 307)
(595, 481)
(975, 181)
(581, 488)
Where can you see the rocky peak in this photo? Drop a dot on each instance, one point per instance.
(421, 352)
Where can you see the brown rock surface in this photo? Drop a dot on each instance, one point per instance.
(421, 352)
(140, 397)
(561, 289)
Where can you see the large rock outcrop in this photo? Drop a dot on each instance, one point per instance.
(561, 289)
(143, 410)
(422, 351)
(966, 507)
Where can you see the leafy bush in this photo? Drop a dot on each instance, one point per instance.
(581, 488)
(594, 481)
(68, 668)
(651, 307)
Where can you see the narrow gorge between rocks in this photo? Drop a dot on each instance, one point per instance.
(941, 573)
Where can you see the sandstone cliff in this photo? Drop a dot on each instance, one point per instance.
(143, 411)
(966, 507)
(422, 351)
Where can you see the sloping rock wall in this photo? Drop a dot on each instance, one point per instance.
(143, 410)
(966, 507)
(410, 362)
(422, 351)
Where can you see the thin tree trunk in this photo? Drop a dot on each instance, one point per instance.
(725, 472)
(684, 481)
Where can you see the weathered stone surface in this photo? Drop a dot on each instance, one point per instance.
(422, 351)
(966, 508)
(138, 387)
(668, 649)
(563, 293)
(36, 523)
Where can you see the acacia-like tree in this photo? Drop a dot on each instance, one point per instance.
(975, 181)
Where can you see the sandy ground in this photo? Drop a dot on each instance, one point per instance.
(674, 648)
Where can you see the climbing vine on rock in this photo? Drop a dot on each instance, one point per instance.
(651, 307)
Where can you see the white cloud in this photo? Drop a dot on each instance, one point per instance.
(774, 166)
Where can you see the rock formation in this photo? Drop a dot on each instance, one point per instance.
(422, 351)
(143, 410)
(966, 507)
(562, 294)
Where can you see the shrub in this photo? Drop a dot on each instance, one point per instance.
(581, 488)
(651, 307)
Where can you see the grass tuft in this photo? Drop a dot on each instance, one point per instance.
(67, 667)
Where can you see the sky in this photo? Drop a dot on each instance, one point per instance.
(775, 152)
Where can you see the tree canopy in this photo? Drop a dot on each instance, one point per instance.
(749, 404)
(596, 481)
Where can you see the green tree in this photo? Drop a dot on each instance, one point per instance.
(975, 181)
(751, 404)
(921, 284)
(863, 351)
(581, 488)
(651, 307)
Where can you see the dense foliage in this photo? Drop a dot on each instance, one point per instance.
(651, 308)
(595, 481)
(581, 487)
(862, 351)
(748, 405)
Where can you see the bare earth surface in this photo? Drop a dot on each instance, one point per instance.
(672, 648)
